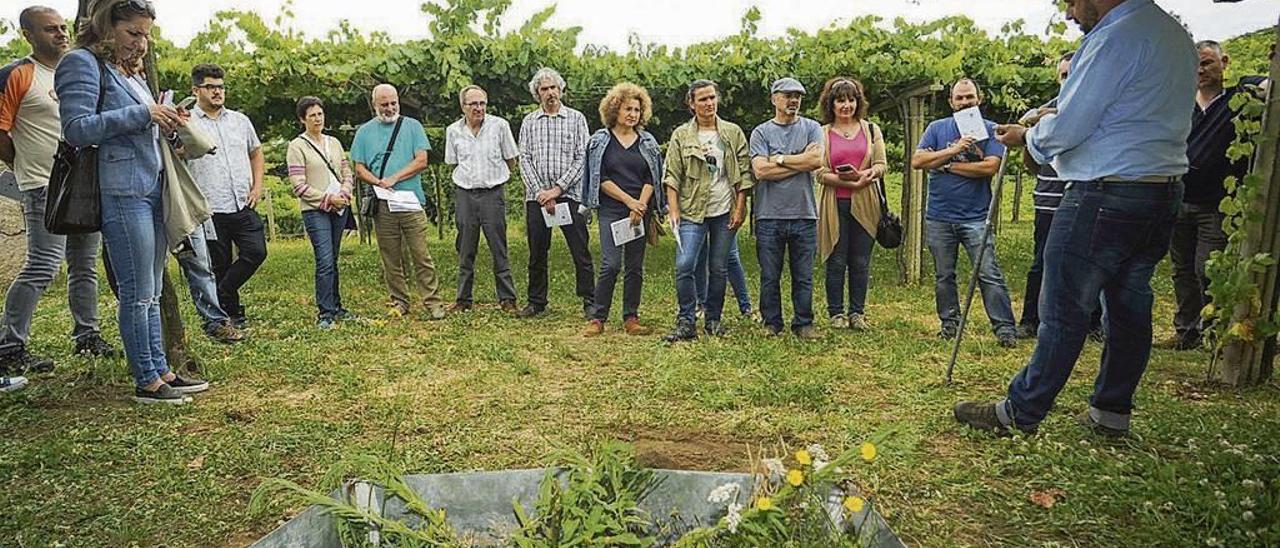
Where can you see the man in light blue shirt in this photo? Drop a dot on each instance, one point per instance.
(1119, 139)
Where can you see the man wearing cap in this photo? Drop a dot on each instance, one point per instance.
(1133, 81)
(783, 152)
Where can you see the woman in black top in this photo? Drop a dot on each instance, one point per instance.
(623, 164)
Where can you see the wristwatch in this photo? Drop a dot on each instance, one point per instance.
(780, 159)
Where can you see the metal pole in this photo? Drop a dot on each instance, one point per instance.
(977, 264)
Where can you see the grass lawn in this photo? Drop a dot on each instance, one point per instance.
(82, 466)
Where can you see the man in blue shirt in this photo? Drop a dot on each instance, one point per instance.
(1119, 139)
(960, 171)
(390, 152)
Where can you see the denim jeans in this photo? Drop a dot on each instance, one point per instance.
(797, 241)
(1105, 237)
(45, 253)
(133, 228)
(612, 261)
(944, 240)
(325, 231)
(851, 260)
(198, 270)
(715, 234)
(1197, 232)
(1031, 297)
(737, 276)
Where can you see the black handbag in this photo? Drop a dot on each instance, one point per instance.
(72, 203)
(889, 230)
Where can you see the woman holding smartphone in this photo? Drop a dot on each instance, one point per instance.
(849, 205)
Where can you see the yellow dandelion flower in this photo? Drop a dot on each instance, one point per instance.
(868, 451)
(854, 504)
(764, 504)
(803, 457)
(795, 478)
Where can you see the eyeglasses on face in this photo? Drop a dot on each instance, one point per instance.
(213, 87)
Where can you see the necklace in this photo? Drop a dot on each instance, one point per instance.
(847, 133)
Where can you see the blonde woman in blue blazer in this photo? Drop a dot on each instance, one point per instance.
(104, 100)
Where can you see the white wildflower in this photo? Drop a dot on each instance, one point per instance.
(1247, 502)
(775, 468)
(723, 493)
(733, 518)
(819, 464)
(1247, 515)
(1212, 541)
(1219, 494)
(1251, 484)
(818, 452)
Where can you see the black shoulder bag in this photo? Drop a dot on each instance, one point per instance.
(889, 230)
(369, 200)
(71, 201)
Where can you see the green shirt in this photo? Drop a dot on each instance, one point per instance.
(689, 175)
(370, 147)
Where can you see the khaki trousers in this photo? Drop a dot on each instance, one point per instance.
(395, 232)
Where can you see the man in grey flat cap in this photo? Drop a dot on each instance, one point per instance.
(783, 152)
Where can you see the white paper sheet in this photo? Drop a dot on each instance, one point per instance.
(675, 233)
(562, 216)
(623, 232)
(398, 201)
(970, 123)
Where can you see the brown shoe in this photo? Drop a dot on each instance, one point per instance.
(509, 307)
(594, 328)
(459, 306)
(632, 327)
(225, 334)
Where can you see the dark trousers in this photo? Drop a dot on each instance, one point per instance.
(1105, 237)
(850, 261)
(1196, 234)
(797, 241)
(613, 259)
(482, 211)
(578, 239)
(243, 230)
(1031, 297)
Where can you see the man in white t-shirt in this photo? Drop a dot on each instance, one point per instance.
(29, 134)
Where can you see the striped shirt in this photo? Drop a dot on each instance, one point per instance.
(1049, 188)
(481, 158)
(553, 149)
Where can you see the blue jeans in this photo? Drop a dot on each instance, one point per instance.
(325, 231)
(45, 254)
(797, 241)
(1105, 237)
(198, 270)
(715, 234)
(737, 276)
(943, 240)
(133, 228)
(851, 260)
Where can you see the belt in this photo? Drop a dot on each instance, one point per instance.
(484, 189)
(1169, 179)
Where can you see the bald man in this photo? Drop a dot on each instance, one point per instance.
(390, 152)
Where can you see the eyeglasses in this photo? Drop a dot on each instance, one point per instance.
(213, 87)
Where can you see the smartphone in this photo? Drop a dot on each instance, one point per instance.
(186, 103)
(844, 168)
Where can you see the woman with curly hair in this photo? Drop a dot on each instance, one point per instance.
(623, 166)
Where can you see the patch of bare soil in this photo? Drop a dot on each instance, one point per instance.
(692, 450)
(13, 241)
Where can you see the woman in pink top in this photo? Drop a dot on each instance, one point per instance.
(849, 206)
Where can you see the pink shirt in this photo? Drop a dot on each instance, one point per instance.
(847, 151)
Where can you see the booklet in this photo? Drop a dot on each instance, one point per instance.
(398, 201)
(971, 124)
(560, 218)
(623, 232)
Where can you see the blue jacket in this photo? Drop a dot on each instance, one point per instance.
(127, 161)
(591, 170)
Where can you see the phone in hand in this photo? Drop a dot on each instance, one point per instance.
(844, 168)
(186, 103)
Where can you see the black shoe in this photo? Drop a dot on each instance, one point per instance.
(770, 331)
(587, 309)
(684, 331)
(1026, 331)
(94, 345)
(20, 362)
(164, 394)
(982, 416)
(714, 329)
(1188, 340)
(948, 332)
(239, 321)
(1086, 420)
(1007, 340)
(530, 311)
(188, 385)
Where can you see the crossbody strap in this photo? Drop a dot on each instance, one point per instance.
(324, 157)
(386, 157)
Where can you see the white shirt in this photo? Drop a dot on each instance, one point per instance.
(226, 176)
(481, 158)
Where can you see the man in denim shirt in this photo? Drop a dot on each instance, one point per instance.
(784, 151)
(1119, 139)
(960, 171)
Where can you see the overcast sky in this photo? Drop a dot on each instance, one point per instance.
(676, 22)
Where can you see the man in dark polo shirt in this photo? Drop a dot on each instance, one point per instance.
(1198, 231)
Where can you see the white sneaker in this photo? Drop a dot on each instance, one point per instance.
(12, 384)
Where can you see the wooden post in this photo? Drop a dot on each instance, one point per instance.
(998, 203)
(1248, 363)
(913, 194)
(1017, 192)
(271, 215)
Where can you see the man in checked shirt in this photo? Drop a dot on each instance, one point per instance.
(553, 146)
